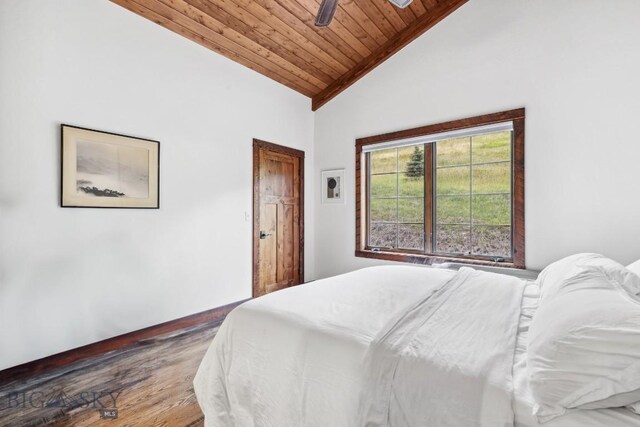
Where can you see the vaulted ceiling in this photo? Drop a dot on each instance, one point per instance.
(278, 38)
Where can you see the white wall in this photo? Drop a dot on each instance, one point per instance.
(573, 64)
(69, 277)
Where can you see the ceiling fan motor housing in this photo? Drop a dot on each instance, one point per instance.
(328, 9)
(326, 12)
(401, 3)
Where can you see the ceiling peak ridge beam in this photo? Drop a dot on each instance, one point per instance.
(384, 52)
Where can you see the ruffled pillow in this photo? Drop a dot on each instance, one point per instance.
(584, 341)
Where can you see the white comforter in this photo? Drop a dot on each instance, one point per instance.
(438, 348)
(447, 361)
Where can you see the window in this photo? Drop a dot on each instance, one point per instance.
(447, 192)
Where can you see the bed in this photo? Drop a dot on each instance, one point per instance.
(389, 345)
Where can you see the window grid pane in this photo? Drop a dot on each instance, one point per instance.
(491, 195)
(454, 168)
(396, 198)
(473, 206)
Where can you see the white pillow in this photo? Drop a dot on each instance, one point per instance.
(551, 279)
(584, 341)
(635, 267)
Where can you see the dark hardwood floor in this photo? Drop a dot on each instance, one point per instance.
(149, 384)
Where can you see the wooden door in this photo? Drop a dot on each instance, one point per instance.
(278, 242)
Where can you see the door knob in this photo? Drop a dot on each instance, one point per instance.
(263, 235)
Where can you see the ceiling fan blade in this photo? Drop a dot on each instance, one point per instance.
(401, 3)
(326, 12)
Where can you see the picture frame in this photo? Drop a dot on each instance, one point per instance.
(333, 187)
(108, 170)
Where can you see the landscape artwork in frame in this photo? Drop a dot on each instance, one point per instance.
(107, 170)
(333, 186)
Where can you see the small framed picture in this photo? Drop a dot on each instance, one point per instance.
(333, 186)
(107, 170)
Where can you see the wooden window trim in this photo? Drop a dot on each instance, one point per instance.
(516, 116)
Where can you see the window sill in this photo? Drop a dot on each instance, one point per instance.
(431, 259)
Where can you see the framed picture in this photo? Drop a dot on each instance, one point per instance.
(107, 170)
(333, 186)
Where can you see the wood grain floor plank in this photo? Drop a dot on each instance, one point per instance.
(150, 384)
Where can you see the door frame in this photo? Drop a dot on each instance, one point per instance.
(280, 149)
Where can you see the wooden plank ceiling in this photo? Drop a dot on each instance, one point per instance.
(277, 38)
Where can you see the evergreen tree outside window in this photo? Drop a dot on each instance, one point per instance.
(415, 166)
